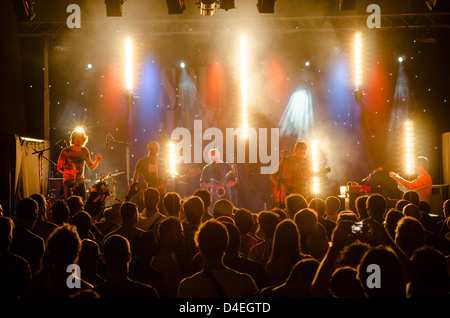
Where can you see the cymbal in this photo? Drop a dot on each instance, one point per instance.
(110, 176)
(77, 181)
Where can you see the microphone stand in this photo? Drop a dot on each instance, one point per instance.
(127, 154)
(41, 156)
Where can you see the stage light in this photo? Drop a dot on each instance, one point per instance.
(24, 9)
(175, 6)
(207, 7)
(172, 159)
(129, 64)
(114, 8)
(79, 129)
(227, 4)
(307, 63)
(409, 147)
(315, 166)
(89, 66)
(266, 6)
(182, 65)
(357, 46)
(244, 85)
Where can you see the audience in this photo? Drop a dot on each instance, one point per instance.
(15, 271)
(320, 207)
(150, 217)
(243, 219)
(128, 229)
(206, 197)
(215, 279)
(117, 256)
(313, 236)
(193, 208)
(267, 223)
(25, 243)
(298, 250)
(42, 227)
(172, 204)
(286, 252)
(110, 220)
(62, 250)
(170, 235)
(332, 207)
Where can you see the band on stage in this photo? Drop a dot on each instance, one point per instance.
(293, 174)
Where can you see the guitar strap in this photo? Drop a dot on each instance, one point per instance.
(215, 283)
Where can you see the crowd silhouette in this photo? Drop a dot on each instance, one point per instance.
(190, 249)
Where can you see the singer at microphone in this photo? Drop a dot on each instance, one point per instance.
(71, 163)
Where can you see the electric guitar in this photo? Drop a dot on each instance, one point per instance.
(141, 186)
(219, 188)
(282, 190)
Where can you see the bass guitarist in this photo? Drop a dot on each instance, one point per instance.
(292, 175)
(218, 177)
(153, 170)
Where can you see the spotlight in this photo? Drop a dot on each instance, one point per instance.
(24, 9)
(227, 4)
(182, 65)
(114, 8)
(207, 7)
(307, 63)
(266, 6)
(400, 59)
(89, 66)
(175, 6)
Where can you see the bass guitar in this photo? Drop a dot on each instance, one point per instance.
(282, 190)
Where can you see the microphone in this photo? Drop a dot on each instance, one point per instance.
(286, 151)
(107, 140)
(65, 143)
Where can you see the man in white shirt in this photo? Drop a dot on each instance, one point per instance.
(422, 185)
(150, 217)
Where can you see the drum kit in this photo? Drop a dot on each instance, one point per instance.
(99, 192)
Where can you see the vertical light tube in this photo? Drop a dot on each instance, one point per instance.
(409, 147)
(129, 64)
(315, 166)
(244, 85)
(357, 59)
(172, 159)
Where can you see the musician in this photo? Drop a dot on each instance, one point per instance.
(422, 184)
(218, 177)
(71, 163)
(152, 167)
(153, 170)
(294, 172)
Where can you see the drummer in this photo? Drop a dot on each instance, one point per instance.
(71, 164)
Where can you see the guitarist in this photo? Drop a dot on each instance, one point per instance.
(292, 174)
(217, 177)
(153, 170)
